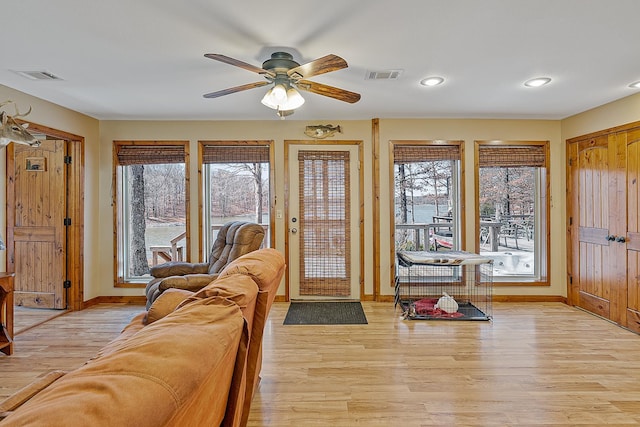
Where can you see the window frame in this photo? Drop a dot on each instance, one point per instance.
(120, 207)
(204, 190)
(542, 234)
(461, 219)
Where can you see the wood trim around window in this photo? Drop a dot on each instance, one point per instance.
(544, 281)
(146, 145)
(206, 149)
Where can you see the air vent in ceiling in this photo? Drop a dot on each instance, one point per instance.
(38, 75)
(383, 75)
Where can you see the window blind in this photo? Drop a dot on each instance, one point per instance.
(235, 154)
(511, 156)
(149, 154)
(424, 153)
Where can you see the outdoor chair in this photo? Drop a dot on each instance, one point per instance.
(234, 239)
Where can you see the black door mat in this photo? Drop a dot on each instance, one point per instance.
(325, 313)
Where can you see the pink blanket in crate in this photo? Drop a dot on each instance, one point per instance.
(426, 307)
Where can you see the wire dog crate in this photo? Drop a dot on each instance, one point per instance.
(422, 277)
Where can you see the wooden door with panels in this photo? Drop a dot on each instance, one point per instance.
(604, 228)
(37, 223)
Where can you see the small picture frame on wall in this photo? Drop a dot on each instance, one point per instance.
(36, 164)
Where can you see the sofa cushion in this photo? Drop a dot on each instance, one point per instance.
(166, 303)
(151, 376)
(190, 282)
(239, 288)
(263, 266)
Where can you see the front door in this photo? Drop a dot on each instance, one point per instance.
(37, 187)
(323, 222)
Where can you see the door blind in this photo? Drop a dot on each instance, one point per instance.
(324, 197)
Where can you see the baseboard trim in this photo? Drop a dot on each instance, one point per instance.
(141, 300)
(529, 298)
(133, 300)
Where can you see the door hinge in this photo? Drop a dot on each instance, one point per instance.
(570, 162)
(67, 160)
(570, 220)
(571, 280)
(66, 284)
(67, 222)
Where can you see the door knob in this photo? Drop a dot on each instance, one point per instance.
(294, 230)
(611, 238)
(621, 239)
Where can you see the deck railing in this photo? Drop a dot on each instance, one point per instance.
(508, 229)
(420, 233)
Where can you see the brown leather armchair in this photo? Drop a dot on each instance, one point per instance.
(234, 239)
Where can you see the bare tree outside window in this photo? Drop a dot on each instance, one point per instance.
(507, 191)
(237, 192)
(139, 262)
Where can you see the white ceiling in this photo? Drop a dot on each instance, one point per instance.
(143, 59)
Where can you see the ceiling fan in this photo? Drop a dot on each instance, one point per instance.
(287, 75)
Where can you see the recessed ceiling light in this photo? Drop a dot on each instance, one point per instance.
(635, 85)
(431, 81)
(537, 82)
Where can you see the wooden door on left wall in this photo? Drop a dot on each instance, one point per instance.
(36, 217)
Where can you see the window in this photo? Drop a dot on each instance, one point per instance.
(151, 201)
(237, 179)
(426, 183)
(513, 208)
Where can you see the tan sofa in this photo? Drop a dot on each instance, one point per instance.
(192, 360)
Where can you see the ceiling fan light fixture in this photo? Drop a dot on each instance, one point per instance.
(294, 100)
(290, 101)
(279, 94)
(537, 82)
(269, 100)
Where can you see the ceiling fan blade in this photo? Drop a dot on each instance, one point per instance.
(238, 63)
(235, 89)
(330, 91)
(319, 66)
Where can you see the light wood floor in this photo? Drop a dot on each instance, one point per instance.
(25, 318)
(535, 365)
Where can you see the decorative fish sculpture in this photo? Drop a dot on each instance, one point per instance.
(321, 131)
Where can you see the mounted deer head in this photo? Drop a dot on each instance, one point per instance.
(11, 131)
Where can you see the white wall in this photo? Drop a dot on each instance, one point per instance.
(617, 113)
(98, 172)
